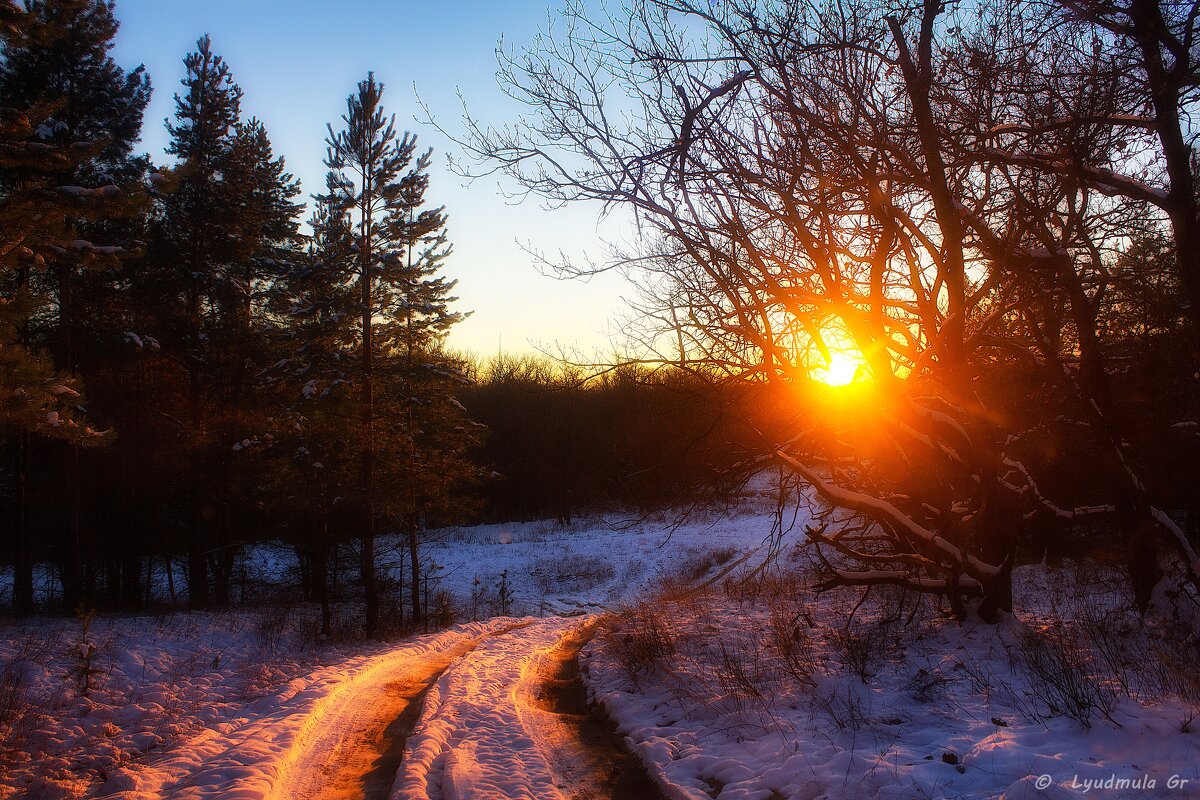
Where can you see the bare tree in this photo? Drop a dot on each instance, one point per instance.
(818, 181)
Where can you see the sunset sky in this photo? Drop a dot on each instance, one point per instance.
(297, 60)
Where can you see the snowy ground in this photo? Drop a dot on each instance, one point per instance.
(193, 705)
(473, 740)
(196, 705)
(741, 698)
(755, 691)
(589, 566)
(160, 686)
(520, 568)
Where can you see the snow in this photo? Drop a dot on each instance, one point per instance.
(938, 710)
(871, 702)
(471, 741)
(188, 704)
(159, 684)
(82, 192)
(142, 341)
(847, 498)
(195, 705)
(590, 565)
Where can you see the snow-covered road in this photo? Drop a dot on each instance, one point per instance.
(482, 734)
(353, 749)
(502, 716)
(323, 733)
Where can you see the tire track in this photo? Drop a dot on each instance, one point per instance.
(585, 753)
(357, 746)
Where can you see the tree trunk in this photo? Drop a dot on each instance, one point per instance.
(75, 592)
(170, 567)
(997, 523)
(221, 569)
(197, 564)
(304, 563)
(131, 577)
(320, 582)
(415, 566)
(366, 290)
(1193, 509)
(1140, 536)
(112, 581)
(223, 551)
(223, 562)
(136, 555)
(367, 566)
(1165, 84)
(23, 551)
(133, 534)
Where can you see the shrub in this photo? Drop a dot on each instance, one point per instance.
(793, 645)
(1063, 682)
(579, 573)
(271, 625)
(83, 668)
(641, 639)
(862, 647)
(1175, 673)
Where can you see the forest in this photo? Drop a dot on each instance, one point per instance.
(887, 485)
(196, 359)
(192, 363)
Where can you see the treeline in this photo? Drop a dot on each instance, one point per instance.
(183, 370)
(564, 441)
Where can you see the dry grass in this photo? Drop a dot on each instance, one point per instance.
(1062, 667)
(699, 565)
(863, 647)
(579, 573)
(793, 645)
(642, 640)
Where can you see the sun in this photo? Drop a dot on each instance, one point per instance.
(841, 370)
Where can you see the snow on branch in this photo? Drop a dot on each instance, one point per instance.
(819, 536)
(1104, 180)
(1120, 120)
(844, 577)
(885, 511)
(1032, 487)
(81, 192)
(1181, 539)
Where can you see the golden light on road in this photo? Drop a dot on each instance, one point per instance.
(841, 370)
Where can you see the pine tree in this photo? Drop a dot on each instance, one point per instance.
(62, 58)
(313, 455)
(69, 121)
(429, 433)
(60, 62)
(191, 243)
(63, 52)
(404, 308)
(34, 398)
(263, 239)
(227, 231)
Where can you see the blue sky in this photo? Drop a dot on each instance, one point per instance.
(297, 61)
